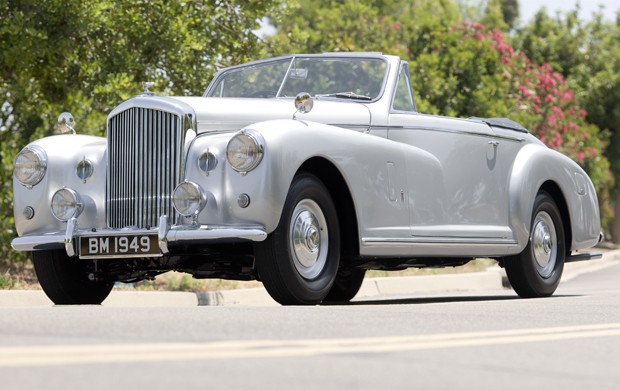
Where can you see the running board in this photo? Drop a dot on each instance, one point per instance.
(583, 257)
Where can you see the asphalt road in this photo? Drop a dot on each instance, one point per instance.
(475, 340)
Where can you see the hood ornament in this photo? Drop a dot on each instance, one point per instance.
(146, 85)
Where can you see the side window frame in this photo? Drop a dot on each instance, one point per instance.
(404, 70)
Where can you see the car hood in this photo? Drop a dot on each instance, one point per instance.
(229, 114)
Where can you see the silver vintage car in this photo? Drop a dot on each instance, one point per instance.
(301, 171)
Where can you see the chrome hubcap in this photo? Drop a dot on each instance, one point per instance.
(308, 239)
(544, 244)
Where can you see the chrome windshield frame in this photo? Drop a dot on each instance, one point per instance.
(291, 58)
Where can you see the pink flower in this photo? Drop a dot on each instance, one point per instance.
(592, 152)
(567, 96)
(524, 91)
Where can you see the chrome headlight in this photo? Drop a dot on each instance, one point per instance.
(30, 165)
(188, 199)
(66, 204)
(245, 151)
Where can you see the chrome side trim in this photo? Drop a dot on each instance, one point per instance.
(454, 131)
(436, 241)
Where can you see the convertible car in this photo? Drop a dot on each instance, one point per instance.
(303, 172)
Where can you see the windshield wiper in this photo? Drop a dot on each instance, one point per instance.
(346, 95)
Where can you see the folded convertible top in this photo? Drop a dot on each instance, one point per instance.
(501, 122)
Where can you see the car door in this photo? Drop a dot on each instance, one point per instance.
(470, 201)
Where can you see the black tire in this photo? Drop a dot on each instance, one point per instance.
(298, 262)
(65, 280)
(536, 272)
(348, 282)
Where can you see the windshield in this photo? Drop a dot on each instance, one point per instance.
(352, 78)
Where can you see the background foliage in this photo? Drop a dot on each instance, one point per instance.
(559, 76)
(87, 56)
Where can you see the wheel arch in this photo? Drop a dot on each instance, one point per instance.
(558, 197)
(340, 193)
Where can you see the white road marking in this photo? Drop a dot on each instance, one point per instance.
(24, 356)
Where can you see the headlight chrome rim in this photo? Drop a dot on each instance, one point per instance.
(189, 199)
(31, 158)
(66, 204)
(245, 151)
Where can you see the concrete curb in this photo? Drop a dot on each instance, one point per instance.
(493, 278)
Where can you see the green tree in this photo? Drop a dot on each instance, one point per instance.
(587, 54)
(461, 67)
(87, 56)
(510, 12)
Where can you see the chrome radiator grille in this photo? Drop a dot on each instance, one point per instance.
(144, 163)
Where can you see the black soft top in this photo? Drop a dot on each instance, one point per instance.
(504, 123)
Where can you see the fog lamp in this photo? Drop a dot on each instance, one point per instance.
(66, 204)
(189, 199)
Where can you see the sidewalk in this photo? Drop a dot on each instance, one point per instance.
(493, 278)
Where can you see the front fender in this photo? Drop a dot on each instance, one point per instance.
(361, 159)
(64, 152)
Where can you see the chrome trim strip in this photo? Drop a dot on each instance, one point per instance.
(454, 131)
(244, 124)
(381, 241)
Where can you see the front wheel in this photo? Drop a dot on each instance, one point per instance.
(536, 271)
(65, 281)
(298, 262)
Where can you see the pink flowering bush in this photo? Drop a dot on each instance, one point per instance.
(484, 76)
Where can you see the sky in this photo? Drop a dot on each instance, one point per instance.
(528, 8)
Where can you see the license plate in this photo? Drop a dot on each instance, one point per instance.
(142, 245)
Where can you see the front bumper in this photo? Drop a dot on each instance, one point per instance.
(167, 236)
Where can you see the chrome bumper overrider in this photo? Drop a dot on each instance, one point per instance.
(167, 235)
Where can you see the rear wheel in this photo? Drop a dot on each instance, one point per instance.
(298, 262)
(347, 284)
(65, 281)
(536, 271)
